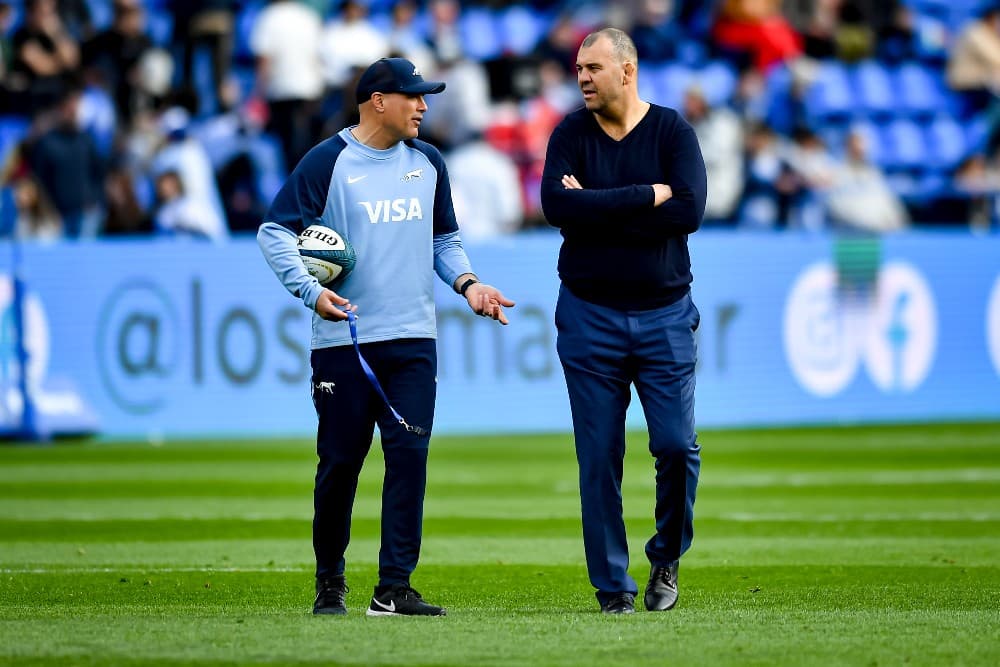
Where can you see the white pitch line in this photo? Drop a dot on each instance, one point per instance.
(149, 570)
(838, 518)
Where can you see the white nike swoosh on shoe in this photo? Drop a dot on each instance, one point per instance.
(388, 607)
(355, 179)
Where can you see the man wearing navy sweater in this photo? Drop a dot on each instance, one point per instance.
(625, 183)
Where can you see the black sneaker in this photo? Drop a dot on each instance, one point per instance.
(330, 594)
(622, 603)
(401, 600)
(661, 591)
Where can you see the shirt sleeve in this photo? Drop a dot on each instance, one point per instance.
(683, 212)
(588, 207)
(280, 249)
(300, 201)
(450, 260)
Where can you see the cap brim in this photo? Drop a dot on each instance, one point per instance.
(425, 88)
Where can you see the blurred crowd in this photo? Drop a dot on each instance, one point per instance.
(183, 117)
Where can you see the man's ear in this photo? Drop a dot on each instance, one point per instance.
(629, 69)
(378, 101)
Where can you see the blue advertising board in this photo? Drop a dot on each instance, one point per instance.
(180, 338)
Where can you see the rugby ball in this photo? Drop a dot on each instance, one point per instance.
(327, 255)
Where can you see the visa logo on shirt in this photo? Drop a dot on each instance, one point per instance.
(393, 210)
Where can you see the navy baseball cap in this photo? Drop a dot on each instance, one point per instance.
(394, 75)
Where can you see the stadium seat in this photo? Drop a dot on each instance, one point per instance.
(946, 142)
(520, 29)
(160, 26)
(245, 20)
(649, 81)
(907, 145)
(717, 81)
(13, 129)
(875, 142)
(829, 98)
(670, 82)
(873, 88)
(919, 91)
(479, 34)
(976, 134)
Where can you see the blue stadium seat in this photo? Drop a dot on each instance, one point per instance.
(946, 142)
(873, 88)
(920, 91)
(778, 102)
(829, 98)
(673, 81)
(977, 132)
(13, 130)
(875, 142)
(907, 145)
(480, 34)
(649, 81)
(520, 29)
(717, 81)
(8, 212)
(160, 26)
(245, 20)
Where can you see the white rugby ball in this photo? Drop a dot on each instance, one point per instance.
(327, 255)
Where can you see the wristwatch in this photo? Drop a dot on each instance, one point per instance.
(467, 284)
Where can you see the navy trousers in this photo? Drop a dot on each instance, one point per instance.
(603, 352)
(348, 409)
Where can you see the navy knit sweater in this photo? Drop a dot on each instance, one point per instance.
(618, 249)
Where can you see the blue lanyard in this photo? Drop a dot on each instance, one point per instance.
(352, 320)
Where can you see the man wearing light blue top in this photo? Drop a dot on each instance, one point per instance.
(388, 193)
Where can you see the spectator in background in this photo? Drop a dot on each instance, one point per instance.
(655, 34)
(125, 215)
(6, 46)
(75, 15)
(200, 206)
(897, 36)
(815, 172)
(285, 41)
(209, 24)
(117, 51)
(464, 110)
(486, 190)
(37, 218)
(178, 214)
(974, 69)
(445, 38)
(769, 183)
(78, 198)
(405, 37)
(838, 29)
(560, 42)
(860, 197)
(720, 135)
(974, 61)
(348, 44)
(6, 54)
(756, 28)
(45, 56)
(977, 184)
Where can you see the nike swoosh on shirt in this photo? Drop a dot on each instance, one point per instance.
(355, 179)
(388, 607)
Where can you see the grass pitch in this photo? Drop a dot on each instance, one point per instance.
(854, 546)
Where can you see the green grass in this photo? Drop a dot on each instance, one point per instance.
(838, 546)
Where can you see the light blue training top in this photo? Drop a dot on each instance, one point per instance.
(395, 208)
